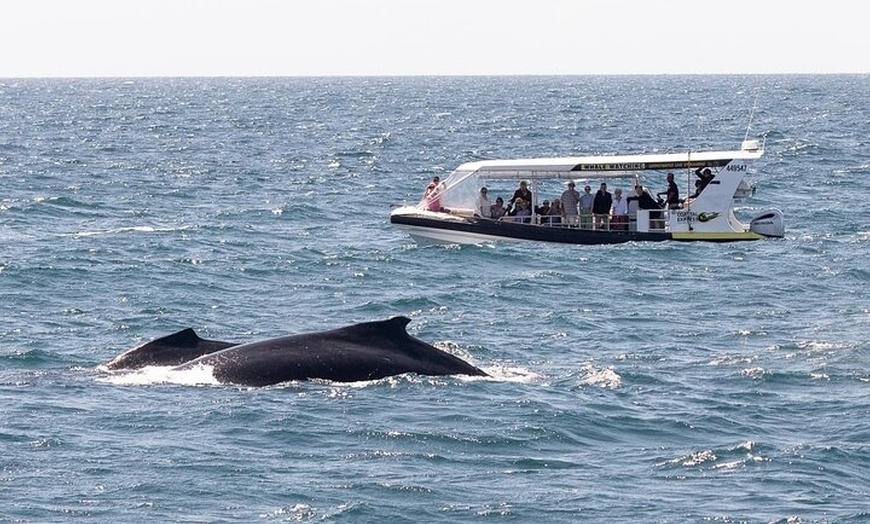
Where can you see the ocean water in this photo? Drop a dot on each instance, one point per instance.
(661, 382)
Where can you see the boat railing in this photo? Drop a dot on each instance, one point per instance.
(644, 221)
(650, 220)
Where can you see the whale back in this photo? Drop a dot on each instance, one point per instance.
(365, 351)
(171, 350)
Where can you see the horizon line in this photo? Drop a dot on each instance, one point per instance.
(408, 75)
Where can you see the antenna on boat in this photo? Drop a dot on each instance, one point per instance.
(751, 115)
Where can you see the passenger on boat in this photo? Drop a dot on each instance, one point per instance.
(619, 220)
(601, 207)
(557, 212)
(646, 201)
(697, 192)
(484, 206)
(432, 196)
(570, 200)
(672, 193)
(497, 210)
(587, 199)
(523, 193)
(521, 211)
(543, 209)
(434, 184)
(705, 176)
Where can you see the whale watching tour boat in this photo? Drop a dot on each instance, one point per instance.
(453, 211)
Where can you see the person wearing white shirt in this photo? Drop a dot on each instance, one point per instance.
(484, 206)
(619, 211)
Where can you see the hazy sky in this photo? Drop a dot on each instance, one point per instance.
(49, 38)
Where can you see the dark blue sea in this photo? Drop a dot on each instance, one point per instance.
(658, 382)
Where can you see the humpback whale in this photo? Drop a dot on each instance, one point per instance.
(365, 351)
(170, 350)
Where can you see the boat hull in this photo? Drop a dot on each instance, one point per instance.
(427, 230)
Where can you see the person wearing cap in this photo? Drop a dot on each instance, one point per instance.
(570, 200)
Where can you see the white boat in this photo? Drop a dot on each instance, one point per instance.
(449, 214)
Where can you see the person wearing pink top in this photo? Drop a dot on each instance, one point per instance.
(432, 196)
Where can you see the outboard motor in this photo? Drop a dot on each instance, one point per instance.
(769, 224)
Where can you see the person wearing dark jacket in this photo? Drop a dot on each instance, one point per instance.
(672, 195)
(698, 187)
(523, 193)
(601, 207)
(646, 201)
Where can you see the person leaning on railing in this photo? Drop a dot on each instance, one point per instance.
(619, 211)
(646, 201)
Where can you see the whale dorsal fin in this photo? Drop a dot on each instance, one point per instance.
(186, 338)
(390, 328)
(399, 323)
(170, 350)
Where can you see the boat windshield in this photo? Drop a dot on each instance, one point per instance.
(459, 191)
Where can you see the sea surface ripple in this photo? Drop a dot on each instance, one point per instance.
(636, 383)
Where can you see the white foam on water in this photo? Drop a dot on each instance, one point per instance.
(199, 375)
(605, 378)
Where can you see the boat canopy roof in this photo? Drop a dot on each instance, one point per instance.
(615, 166)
